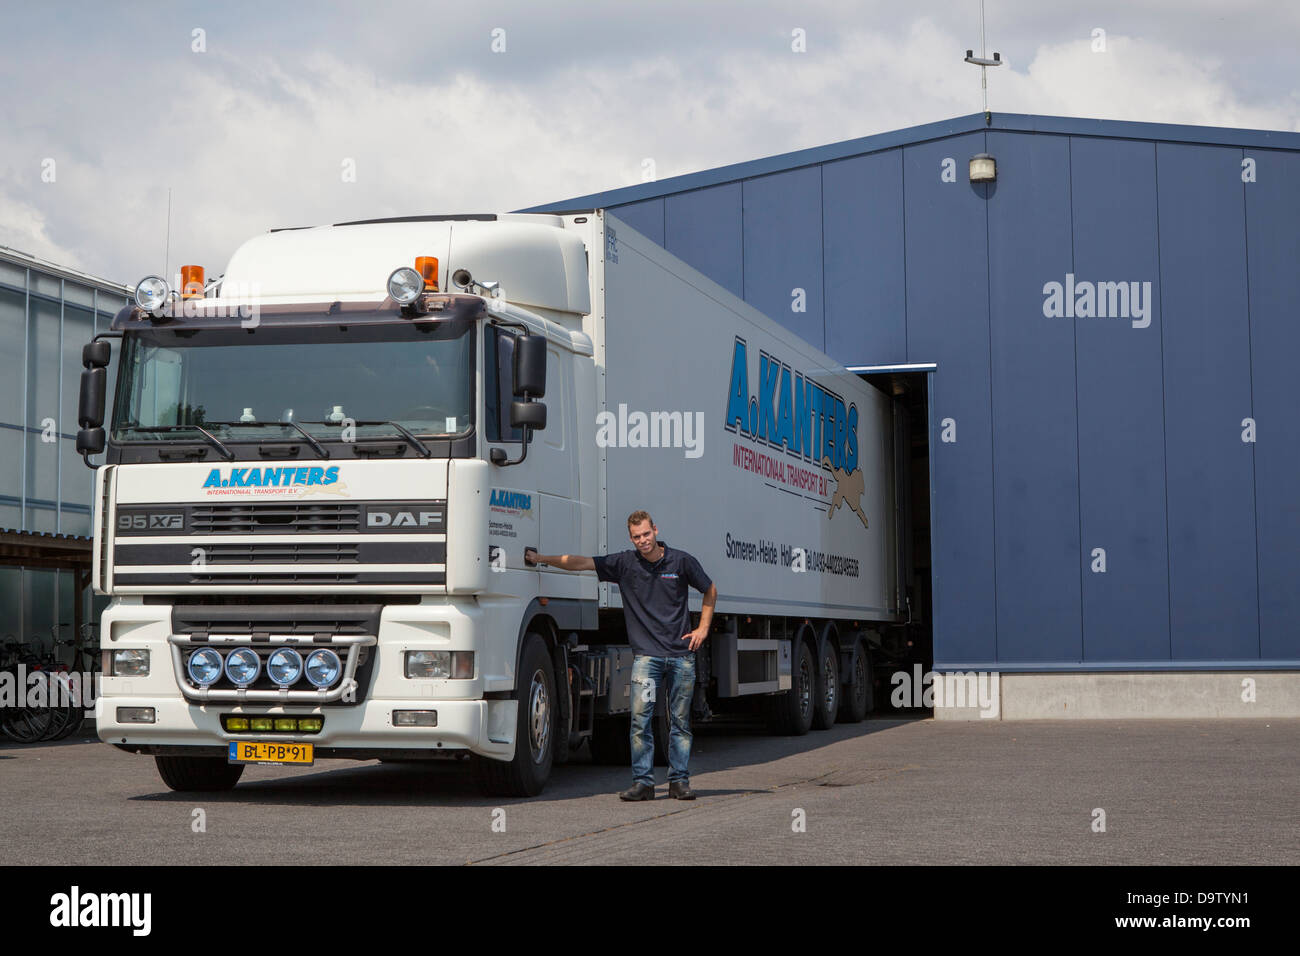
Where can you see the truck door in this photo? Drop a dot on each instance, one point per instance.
(546, 482)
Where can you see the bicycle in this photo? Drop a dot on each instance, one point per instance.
(24, 722)
(85, 664)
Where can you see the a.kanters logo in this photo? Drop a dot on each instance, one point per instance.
(77, 909)
(793, 414)
(290, 481)
(271, 477)
(518, 503)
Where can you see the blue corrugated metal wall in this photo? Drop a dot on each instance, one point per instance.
(1074, 436)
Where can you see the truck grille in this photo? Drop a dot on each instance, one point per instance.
(281, 544)
(275, 518)
(280, 553)
(300, 620)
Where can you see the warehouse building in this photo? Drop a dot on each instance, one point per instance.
(47, 313)
(1097, 322)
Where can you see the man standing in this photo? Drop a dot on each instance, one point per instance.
(652, 579)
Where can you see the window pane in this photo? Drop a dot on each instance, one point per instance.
(13, 274)
(75, 521)
(78, 482)
(11, 599)
(78, 294)
(46, 284)
(39, 596)
(11, 466)
(13, 331)
(42, 363)
(498, 392)
(78, 329)
(42, 460)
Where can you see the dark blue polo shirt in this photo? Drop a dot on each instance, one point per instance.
(654, 597)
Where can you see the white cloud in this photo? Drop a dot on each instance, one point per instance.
(23, 228)
(249, 141)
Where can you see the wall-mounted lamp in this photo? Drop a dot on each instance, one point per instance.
(983, 168)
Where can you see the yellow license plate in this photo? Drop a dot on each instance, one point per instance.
(246, 751)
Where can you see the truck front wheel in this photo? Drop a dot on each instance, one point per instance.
(198, 773)
(526, 774)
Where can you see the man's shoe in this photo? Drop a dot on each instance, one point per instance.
(680, 790)
(639, 791)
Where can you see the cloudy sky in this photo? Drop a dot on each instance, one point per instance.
(264, 114)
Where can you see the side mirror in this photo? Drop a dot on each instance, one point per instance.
(95, 355)
(528, 415)
(90, 441)
(530, 366)
(90, 408)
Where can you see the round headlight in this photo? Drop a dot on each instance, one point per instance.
(243, 666)
(405, 285)
(284, 666)
(323, 667)
(205, 666)
(151, 293)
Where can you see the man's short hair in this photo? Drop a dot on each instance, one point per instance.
(636, 517)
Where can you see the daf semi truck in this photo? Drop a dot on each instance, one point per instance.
(321, 469)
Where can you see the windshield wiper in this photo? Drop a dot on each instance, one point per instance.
(226, 453)
(402, 430)
(320, 449)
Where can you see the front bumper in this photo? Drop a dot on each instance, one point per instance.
(484, 727)
(470, 717)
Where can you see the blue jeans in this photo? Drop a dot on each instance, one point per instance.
(651, 676)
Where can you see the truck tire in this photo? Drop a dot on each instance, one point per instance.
(198, 773)
(859, 694)
(610, 741)
(525, 775)
(791, 713)
(827, 703)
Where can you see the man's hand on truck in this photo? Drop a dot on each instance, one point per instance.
(569, 562)
(696, 637)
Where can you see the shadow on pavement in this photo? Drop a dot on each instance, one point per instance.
(718, 745)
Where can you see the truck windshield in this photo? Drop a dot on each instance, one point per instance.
(243, 385)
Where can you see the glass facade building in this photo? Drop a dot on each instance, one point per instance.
(47, 313)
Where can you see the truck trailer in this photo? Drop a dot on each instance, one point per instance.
(322, 468)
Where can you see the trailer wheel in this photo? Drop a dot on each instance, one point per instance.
(859, 695)
(611, 742)
(827, 705)
(525, 775)
(791, 713)
(198, 773)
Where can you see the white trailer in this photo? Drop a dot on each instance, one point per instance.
(323, 468)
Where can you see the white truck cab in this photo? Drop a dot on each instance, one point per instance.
(321, 470)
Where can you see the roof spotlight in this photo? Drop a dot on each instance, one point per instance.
(405, 285)
(151, 293)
